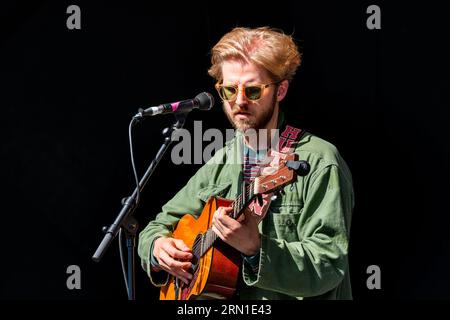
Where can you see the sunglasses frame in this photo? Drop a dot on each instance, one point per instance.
(218, 86)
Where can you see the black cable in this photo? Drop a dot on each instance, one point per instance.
(122, 260)
(138, 195)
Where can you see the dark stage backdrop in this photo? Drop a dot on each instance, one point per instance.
(381, 96)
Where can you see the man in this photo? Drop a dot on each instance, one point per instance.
(296, 246)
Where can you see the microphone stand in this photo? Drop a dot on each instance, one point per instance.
(125, 219)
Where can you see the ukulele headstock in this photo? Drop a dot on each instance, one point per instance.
(283, 176)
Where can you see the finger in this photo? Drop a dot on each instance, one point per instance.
(228, 222)
(180, 277)
(184, 274)
(216, 223)
(241, 218)
(250, 218)
(181, 245)
(218, 232)
(249, 214)
(219, 212)
(223, 211)
(175, 253)
(170, 265)
(228, 210)
(185, 277)
(173, 264)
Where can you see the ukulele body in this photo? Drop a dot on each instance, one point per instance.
(217, 271)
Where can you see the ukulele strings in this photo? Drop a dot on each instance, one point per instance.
(210, 236)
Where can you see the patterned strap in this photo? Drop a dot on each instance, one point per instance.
(289, 138)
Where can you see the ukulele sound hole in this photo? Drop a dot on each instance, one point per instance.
(196, 252)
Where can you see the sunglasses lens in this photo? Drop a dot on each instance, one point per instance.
(227, 92)
(253, 93)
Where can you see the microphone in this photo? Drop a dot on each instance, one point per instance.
(203, 101)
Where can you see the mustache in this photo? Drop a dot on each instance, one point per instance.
(239, 110)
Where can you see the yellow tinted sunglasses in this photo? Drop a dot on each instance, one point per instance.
(252, 92)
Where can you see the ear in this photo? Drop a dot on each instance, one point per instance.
(282, 90)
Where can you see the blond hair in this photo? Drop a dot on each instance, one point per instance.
(266, 47)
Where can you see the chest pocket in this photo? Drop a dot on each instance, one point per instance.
(284, 214)
(282, 222)
(217, 190)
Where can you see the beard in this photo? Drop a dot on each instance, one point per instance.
(259, 122)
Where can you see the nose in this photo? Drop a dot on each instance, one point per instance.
(241, 99)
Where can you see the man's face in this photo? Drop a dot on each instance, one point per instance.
(242, 112)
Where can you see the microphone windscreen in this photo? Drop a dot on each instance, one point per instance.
(205, 101)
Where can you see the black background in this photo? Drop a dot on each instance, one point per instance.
(381, 96)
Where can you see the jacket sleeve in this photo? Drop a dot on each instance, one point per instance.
(317, 262)
(185, 201)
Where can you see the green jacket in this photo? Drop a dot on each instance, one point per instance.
(304, 236)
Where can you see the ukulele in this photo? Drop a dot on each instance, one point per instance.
(215, 264)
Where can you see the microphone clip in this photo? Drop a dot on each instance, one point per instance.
(140, 115)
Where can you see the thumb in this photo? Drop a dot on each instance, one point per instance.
(251, 218)
(181, 245)
(228, 209)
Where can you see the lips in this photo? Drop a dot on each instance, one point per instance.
(242, 115)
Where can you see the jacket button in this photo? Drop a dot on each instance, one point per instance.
(288, 222)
